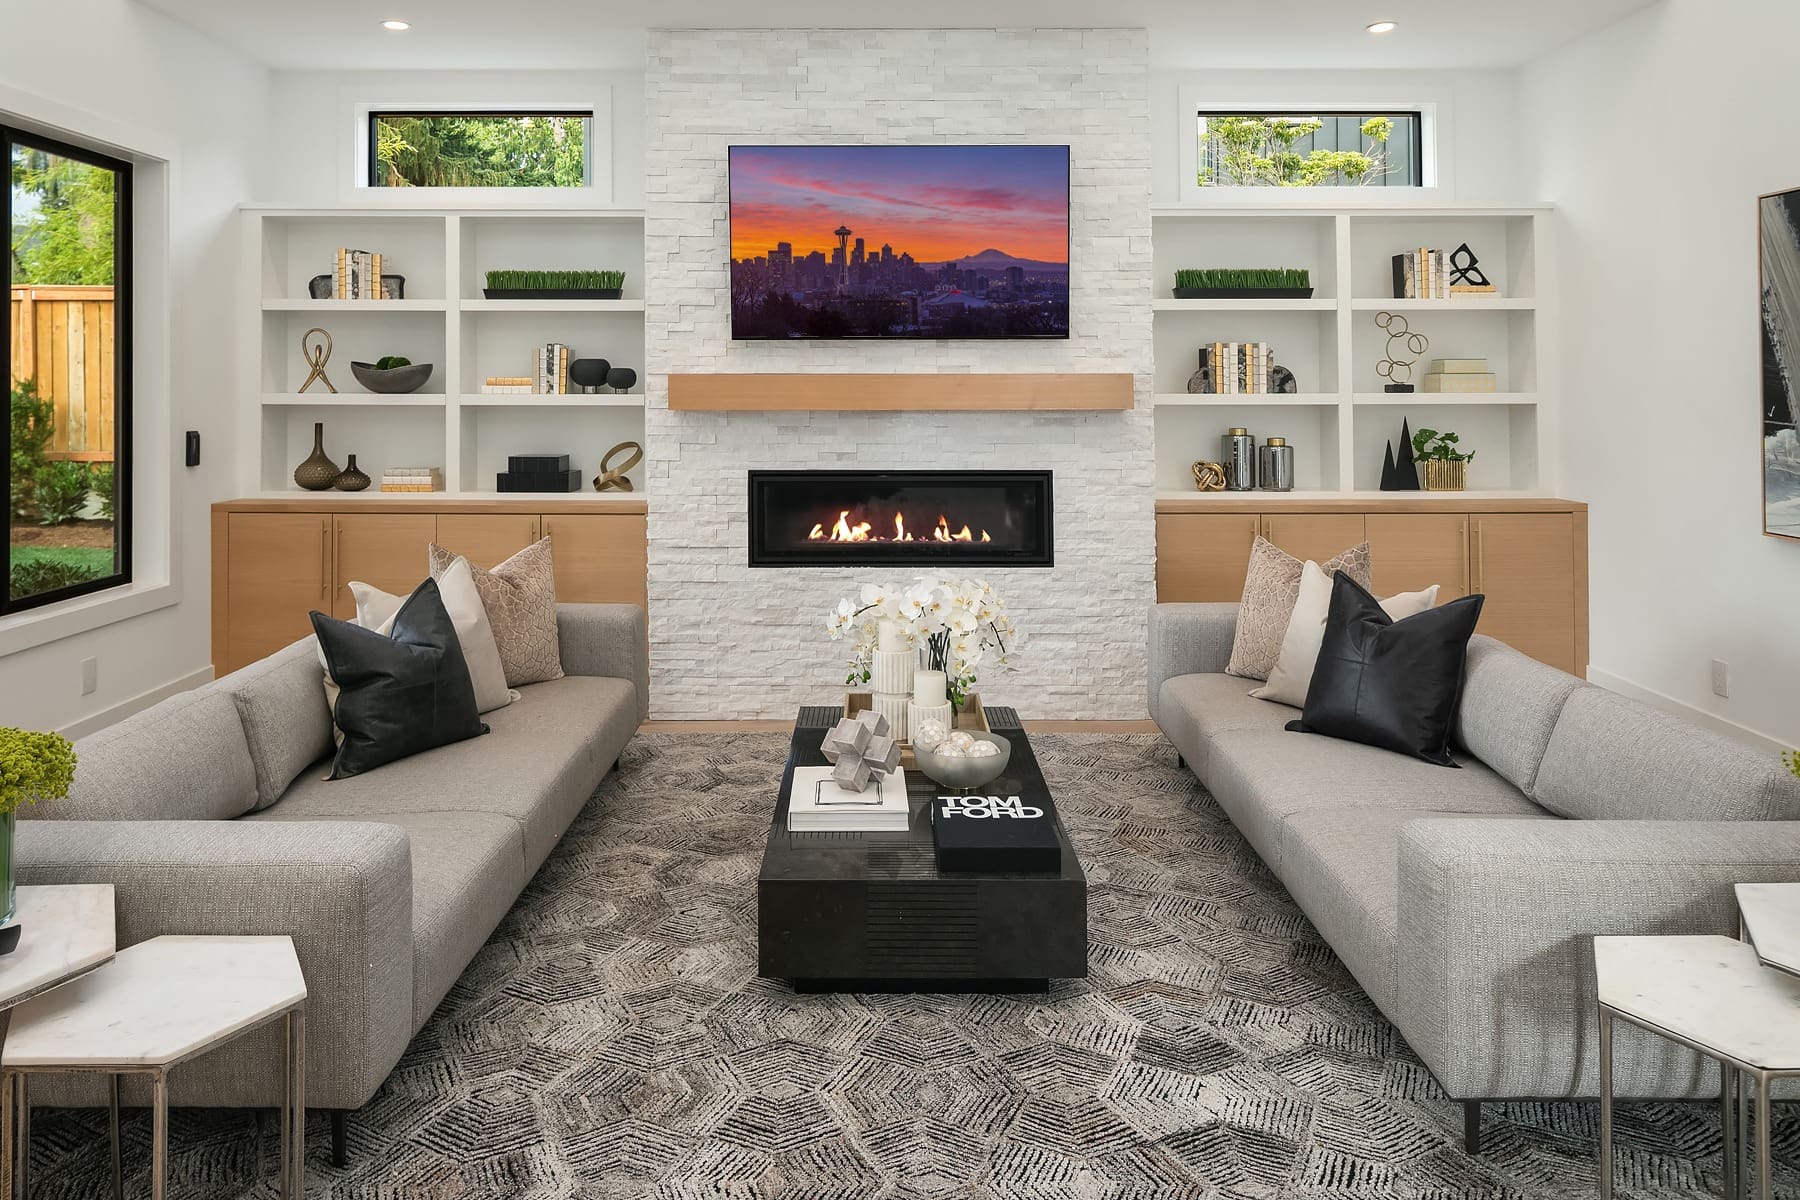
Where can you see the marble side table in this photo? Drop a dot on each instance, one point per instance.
(1711, 994)
(1770, 915)
(159, 1003)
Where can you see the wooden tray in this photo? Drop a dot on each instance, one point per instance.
(971, 716)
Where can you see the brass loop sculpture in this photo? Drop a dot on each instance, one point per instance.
(1209, 476)
(613, 478)
(316, 356)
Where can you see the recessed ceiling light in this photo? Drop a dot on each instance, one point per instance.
(399, 26)
(1384, 26)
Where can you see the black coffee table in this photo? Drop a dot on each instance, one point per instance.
(858, 912)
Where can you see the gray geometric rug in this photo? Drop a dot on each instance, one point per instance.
(613, 1041)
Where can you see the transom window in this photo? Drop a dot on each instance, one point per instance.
(68, 437)
(1302, 149)
(481, 149)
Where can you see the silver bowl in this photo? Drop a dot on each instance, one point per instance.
(394, 381)
(966, 773)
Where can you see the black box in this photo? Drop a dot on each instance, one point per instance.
(538, 481)
(996, 833)
(537, 464)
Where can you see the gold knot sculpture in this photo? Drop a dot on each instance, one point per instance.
(316, 354)
(1209, 476)
(612, 478)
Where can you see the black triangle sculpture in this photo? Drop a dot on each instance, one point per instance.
(1404, 467)
(1390, 474)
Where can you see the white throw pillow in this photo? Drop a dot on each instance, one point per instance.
(1306, 633)
(376, 609)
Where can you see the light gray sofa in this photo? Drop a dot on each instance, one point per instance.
(210, 814)
(1465, 901)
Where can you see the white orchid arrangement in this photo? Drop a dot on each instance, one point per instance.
(959, 625)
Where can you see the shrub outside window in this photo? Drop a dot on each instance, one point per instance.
(1311, 149)
(68, 436)
(481, 149)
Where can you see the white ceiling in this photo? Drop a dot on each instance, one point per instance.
(467, 34)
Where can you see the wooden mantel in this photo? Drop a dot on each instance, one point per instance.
(923, 392)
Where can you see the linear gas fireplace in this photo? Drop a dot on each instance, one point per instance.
(900, 518)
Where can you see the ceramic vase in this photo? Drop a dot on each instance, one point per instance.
(351, 479)
(318, 472)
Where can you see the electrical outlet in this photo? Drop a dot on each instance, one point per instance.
(1721, 677)
(90, 676)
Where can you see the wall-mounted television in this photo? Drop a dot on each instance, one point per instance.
(899, 242)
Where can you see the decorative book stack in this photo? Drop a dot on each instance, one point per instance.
(412, 479)
(1459, 375)
(552, 375)
(507, 385)
(1238, 368)
(358, 274)
(818, 804)
(891, 677)
(537, 473)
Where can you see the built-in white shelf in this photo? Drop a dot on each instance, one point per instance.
(353, 400)
(1341, 421)
(444, 256)
(370, 307)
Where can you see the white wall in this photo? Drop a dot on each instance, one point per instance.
(132, 67)
(1477, 109)
(1654, 138)
(727, 640)
(315, 125)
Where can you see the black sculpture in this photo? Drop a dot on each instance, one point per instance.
(590, 373)
(620, 379)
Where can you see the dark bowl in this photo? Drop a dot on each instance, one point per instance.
(395, 381)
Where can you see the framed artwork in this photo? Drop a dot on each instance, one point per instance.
(1778, 223)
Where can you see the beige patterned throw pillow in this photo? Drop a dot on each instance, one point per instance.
(520, 598)
(1271, 588)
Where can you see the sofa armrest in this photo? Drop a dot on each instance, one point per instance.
(1188, 639)
(607, 639)
(341, 890)
(1496, 921)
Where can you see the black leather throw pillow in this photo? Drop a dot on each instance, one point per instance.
(399, 694)
(1382, 682)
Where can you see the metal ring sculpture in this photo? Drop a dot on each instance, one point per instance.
(1209, 476)
(316, 357)
(612, 477)
(1393, 368)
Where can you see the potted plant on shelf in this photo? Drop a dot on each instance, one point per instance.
(554, 285)
(1231, 283)
(33, 766)
(1443, 467)
(391, 375)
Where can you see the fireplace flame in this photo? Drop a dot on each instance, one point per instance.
(844, 530)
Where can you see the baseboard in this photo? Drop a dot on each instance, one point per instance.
(1046, 726)
(1679, 708)
(137, 704)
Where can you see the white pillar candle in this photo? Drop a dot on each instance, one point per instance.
(891, 636)
(930, 689)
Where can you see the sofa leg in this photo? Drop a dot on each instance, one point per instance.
(339, 1154)
(1472, 1126)
(1180, 761)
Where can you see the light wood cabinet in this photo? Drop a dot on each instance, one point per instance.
(280, 572)
(1318, 536)
(384, 550)
(1527, 555)
(274, 561)
(1412, 551)
(1203, 556)
(487, 539)
(599, 562)
(1524, 563)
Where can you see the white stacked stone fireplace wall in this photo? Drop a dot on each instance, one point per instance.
(728, 641)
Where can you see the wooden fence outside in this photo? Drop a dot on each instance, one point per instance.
(62, 337)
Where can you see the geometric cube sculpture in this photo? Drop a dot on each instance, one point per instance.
(859, 749)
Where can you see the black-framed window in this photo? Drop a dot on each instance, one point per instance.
(1309, 148)
(67, 441)
(549, 149)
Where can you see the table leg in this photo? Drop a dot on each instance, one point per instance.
(287, 1102)
(1606, 1106)
(159, 1135)
(298, 1075)
(1743, 1137)
(24, 1135)
(1765, 1168)
(1727, 1110)
(118, 1157)
(8, 1135)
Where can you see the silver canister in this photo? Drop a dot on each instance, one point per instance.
(1275, 466)
(1238, 450)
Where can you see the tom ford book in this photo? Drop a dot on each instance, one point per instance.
(994, 833)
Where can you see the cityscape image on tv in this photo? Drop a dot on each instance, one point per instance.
(899, 241)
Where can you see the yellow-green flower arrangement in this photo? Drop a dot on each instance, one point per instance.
(33, 766)
(1792, 759)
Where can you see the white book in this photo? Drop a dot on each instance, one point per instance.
(816, 804)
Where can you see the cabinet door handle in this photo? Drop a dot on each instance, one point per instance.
(1481, 554)
(325, 560)
(1468, 563)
